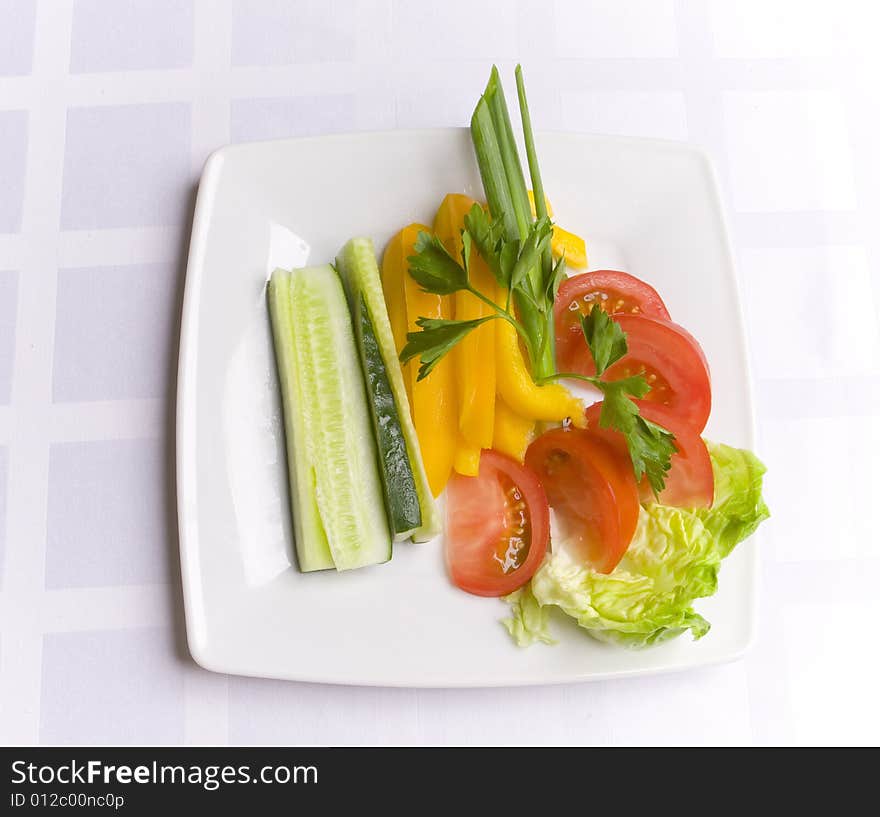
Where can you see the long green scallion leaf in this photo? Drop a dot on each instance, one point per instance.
(506, 193)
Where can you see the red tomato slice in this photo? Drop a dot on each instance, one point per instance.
(619, 475)
(498, 526)
(668, 356)
(690, 482)
(616, 292)
(594, 498)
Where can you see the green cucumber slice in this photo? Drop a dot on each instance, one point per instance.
(356, 262)
(401, 498)
(312, 550)
(336, 493)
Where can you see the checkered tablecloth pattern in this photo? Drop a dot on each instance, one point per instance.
(108, 109)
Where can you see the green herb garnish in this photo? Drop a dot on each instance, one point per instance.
(650, 446)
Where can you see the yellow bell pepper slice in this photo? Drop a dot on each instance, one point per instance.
(562, 242)
(572, 246)
(551, 402)
(474, 357)
(512, 433)
(467, 459)
(434, 407)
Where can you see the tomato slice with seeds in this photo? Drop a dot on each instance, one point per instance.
(498, 526)
(673, 364)
(690, 481)
(670, 359)
(618, 293)
(593, 496)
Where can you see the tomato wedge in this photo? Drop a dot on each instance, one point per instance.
(593, 495)
(690, 482)
(498, 526)
(668, 356)
(615, 291)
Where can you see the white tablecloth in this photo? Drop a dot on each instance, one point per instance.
(108, 109)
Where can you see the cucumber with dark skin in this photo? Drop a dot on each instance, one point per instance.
(359, 270)
(401, 498)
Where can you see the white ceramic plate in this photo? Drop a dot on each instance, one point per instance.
(648, 207)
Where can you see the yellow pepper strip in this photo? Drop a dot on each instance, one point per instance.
(512, 432)
(562, 242)
(434, 404)
(572, 246)
(551, 402)
(394, 270)
(474, 357)
(467, 459)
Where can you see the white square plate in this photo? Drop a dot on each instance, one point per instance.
(648, 207)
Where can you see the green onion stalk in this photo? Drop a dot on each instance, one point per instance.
(507, 196)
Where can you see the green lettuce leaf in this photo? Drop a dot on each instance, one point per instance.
(739, 507)
(528, 622)
(673, 559)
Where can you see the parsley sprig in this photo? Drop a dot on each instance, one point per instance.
(650, 446)
(510, 260)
